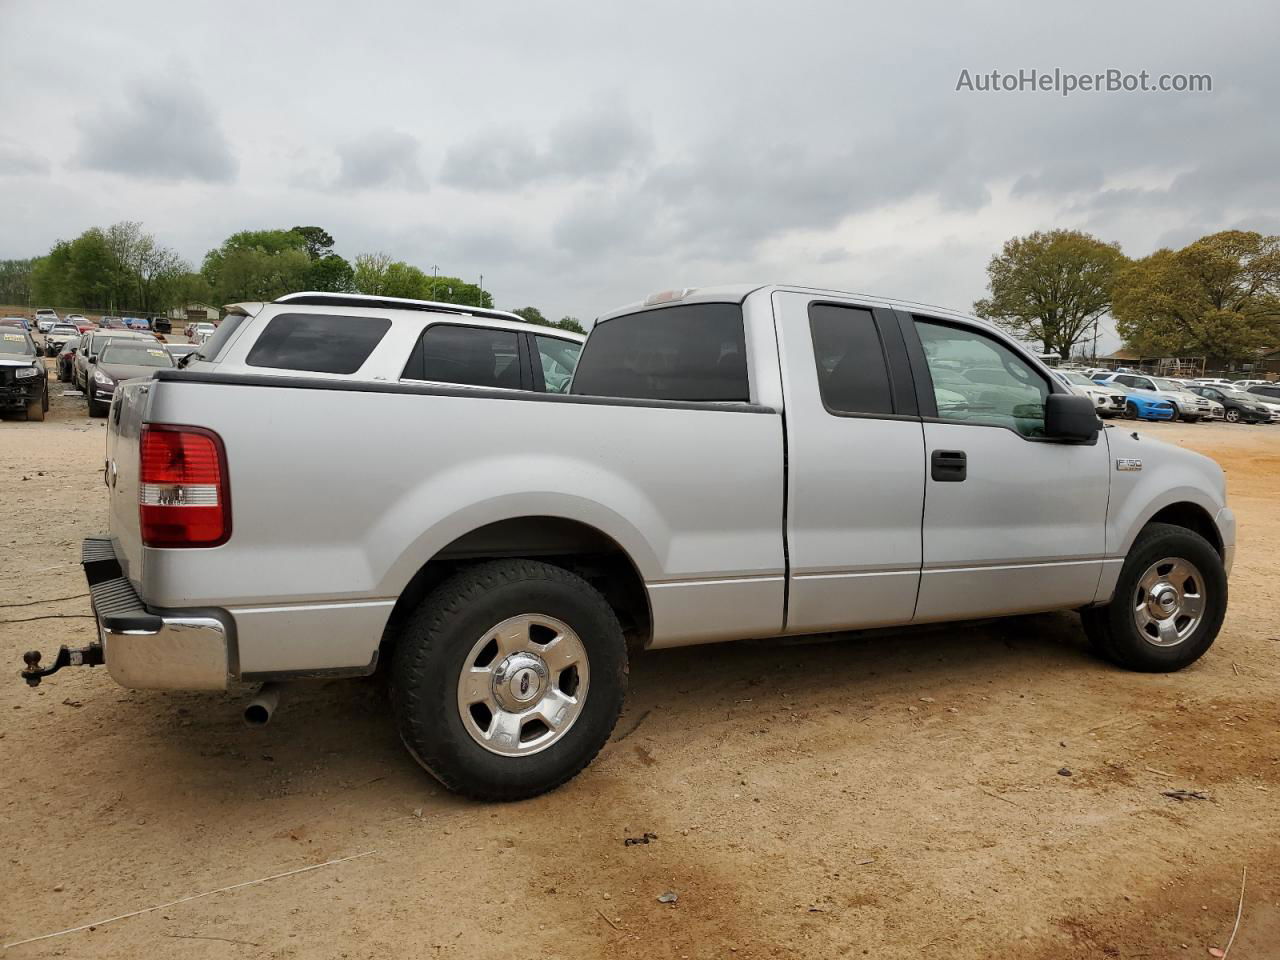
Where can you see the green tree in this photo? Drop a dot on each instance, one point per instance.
(1051, 287)
(257, 265)
(15, 281)
(146, 265)
(317, 241)
(49, 276)
(331, 273)
(531, 315)
(571, 324)
(370, 273)
(1218, 297)
(256, 274)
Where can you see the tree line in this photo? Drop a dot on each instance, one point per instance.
(124, 269)
(1218, 297)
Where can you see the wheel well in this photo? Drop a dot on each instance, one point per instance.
(1192, 517)
(576, 547)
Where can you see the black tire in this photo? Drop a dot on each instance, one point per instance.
(96, 407)
(1194, 418)
(430, 653)
(1111, 629)
(1233, 416)
(1131, 411)
(36, 408)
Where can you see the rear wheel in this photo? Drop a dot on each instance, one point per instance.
(508, 679)
(1191, 418)
(1131, 411)
(1168, 604)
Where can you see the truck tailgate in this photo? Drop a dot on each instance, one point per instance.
(124, 425)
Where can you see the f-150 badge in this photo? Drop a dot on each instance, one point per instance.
(1128, 463)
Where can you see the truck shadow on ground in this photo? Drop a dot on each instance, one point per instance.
(337, 739)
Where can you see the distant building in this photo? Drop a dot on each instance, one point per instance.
(195, 312)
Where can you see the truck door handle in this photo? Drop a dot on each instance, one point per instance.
(948, 466)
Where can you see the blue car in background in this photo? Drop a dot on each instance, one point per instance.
(137, 323)
(1138, 406)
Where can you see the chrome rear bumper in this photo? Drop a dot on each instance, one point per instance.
(149, 649)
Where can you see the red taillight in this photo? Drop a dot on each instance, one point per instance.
(183, 495)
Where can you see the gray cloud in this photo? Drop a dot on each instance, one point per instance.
(381, 159)
(727, 149)
(164, 131)
(17, 160)
(583, 147)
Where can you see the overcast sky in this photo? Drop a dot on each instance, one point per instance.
(581, 154)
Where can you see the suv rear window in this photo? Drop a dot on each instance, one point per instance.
(691, 352)
(317, 342)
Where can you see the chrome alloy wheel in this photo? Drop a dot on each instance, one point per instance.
(1169, 602)
(523, 685)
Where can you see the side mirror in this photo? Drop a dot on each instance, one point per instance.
(1070, 417)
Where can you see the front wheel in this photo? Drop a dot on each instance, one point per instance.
(1233, 416)
(1168, 604)
(508, 679)
(1131, 411)
(96, 407)
(1191, 418)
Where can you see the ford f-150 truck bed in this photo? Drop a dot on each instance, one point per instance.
(727, 463)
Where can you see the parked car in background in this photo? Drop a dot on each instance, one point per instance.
(111, 323)
(1143, 405)
(66, 358)
(729, 463)
(1246, 384)
(161, 324)
(137, 323)
(1238, 407)
(189, 331)
(24, 381)
(90, 345)
(200, 332)
(1214, 381)
(57, 335)
(83, 324)
(1190, 406)
(45, 318)
(121, 359)
(1109, 402)
(20, 322)
(1265, 390)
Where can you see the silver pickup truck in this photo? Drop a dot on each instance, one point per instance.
(343, 484)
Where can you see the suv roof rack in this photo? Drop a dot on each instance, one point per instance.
(315, 299)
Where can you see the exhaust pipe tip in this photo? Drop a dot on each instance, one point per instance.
(259, 711)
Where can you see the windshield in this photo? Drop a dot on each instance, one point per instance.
(64, 328)
(1241, 395)
(16, 345)
(135, 354)
(1167, 385)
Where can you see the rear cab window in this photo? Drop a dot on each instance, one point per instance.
(317, 342)
(691, 352)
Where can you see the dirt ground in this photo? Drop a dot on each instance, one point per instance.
(895, 796)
